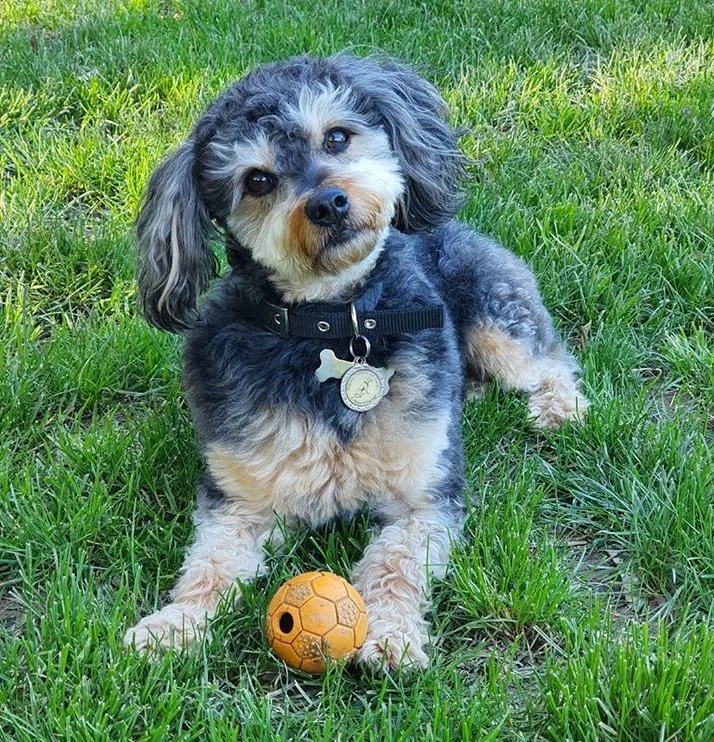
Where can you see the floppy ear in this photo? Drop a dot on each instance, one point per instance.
(173, 230)
(413, 115)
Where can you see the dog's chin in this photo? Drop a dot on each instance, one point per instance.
(345, 248)
(341, 260)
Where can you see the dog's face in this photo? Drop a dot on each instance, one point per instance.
(302, 181)
(305, 164)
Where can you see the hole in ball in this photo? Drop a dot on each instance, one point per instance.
(286, 623)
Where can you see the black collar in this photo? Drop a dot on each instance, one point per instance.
(333, 321)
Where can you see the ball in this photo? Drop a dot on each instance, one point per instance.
(314, 616)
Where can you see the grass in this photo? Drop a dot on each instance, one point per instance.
(580, 606)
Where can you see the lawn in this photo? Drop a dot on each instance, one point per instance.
(581, 604)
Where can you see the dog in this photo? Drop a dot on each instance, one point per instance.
(327, 370)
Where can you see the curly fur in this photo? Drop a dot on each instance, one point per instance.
(277, 443)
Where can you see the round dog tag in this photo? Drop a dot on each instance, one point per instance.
(362, 387)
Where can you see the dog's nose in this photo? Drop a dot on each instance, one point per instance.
(327, 206)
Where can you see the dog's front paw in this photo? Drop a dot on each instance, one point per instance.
(389, 648)
(175, 626)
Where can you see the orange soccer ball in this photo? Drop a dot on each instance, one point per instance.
(314, 616)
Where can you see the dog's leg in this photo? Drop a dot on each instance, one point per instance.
(547, 376)
(393, 578)
(506, 332)
(228, 546)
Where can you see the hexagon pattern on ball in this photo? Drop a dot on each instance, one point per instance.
(313, 616)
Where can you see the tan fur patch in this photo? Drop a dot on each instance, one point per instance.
(366, 207)
(493, 353)
(549, 381)
(302, 239)
(232, 471)
(300, 469)
(350, 253)
(203, 585)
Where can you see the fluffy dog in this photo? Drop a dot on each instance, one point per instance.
(333, 184)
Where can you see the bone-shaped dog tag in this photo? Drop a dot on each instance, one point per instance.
(363, 386)
(332, 367)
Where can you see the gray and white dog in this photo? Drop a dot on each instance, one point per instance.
(333, 184)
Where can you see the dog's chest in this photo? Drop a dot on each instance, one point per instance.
(297, 466)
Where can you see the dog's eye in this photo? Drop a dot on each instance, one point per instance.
(259, 183)
(336, 141)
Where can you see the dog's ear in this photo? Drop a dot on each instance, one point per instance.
(414, 116)
(173, 231)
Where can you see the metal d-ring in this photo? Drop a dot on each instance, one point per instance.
(367, 347)
(357, 336)
(353, 317)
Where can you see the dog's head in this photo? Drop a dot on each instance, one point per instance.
(305, 164)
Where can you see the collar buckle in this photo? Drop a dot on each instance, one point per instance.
(279, 320)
